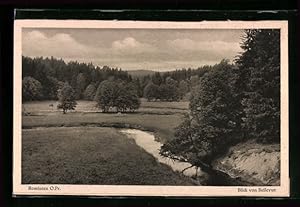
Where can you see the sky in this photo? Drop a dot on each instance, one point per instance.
(134, 49)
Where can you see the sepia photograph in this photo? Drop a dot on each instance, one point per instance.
(133, 108)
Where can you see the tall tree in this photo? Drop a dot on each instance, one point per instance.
(106, 94)
(260, 77)
(213, 121)
(127, 98)
(66, 97)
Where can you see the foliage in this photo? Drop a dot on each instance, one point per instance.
(213, 121)
(171, 81)
(50, 72)
(90, 92)
(122, 96)
(183, 88)
(151, 91)
(156, 78)
(31, 89)
(232, 101)
(194, 81)
(167, 92)
(105, 95)
(260, 75)
(136, 82)
(66, 97)
(127, 98)
(80, 85)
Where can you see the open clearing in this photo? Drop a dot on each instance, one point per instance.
(79, 154)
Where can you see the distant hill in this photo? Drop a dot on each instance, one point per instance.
(140, 73)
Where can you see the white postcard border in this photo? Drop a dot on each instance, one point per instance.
(133, 190)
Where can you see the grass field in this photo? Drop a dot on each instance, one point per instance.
(159, 108)
(96, 155)
(89, 155)
(162, 124)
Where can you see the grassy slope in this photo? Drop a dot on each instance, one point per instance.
(86, 155)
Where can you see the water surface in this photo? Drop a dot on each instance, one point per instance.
(147, 141)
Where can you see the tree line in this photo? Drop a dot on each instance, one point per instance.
(43, 77)
(112, 88)
(232, 103)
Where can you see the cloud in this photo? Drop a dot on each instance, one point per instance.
(129, 51)
(36, 43)
(131, 46)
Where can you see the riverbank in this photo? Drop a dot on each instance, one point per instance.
(252, 163)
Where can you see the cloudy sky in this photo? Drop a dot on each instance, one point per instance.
(132, 49)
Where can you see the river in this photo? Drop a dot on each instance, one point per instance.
(147, 141)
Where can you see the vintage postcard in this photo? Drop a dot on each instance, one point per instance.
(137, 108)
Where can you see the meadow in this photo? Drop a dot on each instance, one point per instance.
(65, 148)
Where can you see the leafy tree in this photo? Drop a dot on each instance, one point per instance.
(90, 92)
(127, 98)
(121, 96)
(106, 94)
(260, 77)
(151, 91)
(53, 86)
(66, 97)
(31, 89)
(168, 92)
(213, 121)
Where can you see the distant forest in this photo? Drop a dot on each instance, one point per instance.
(45, 76)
